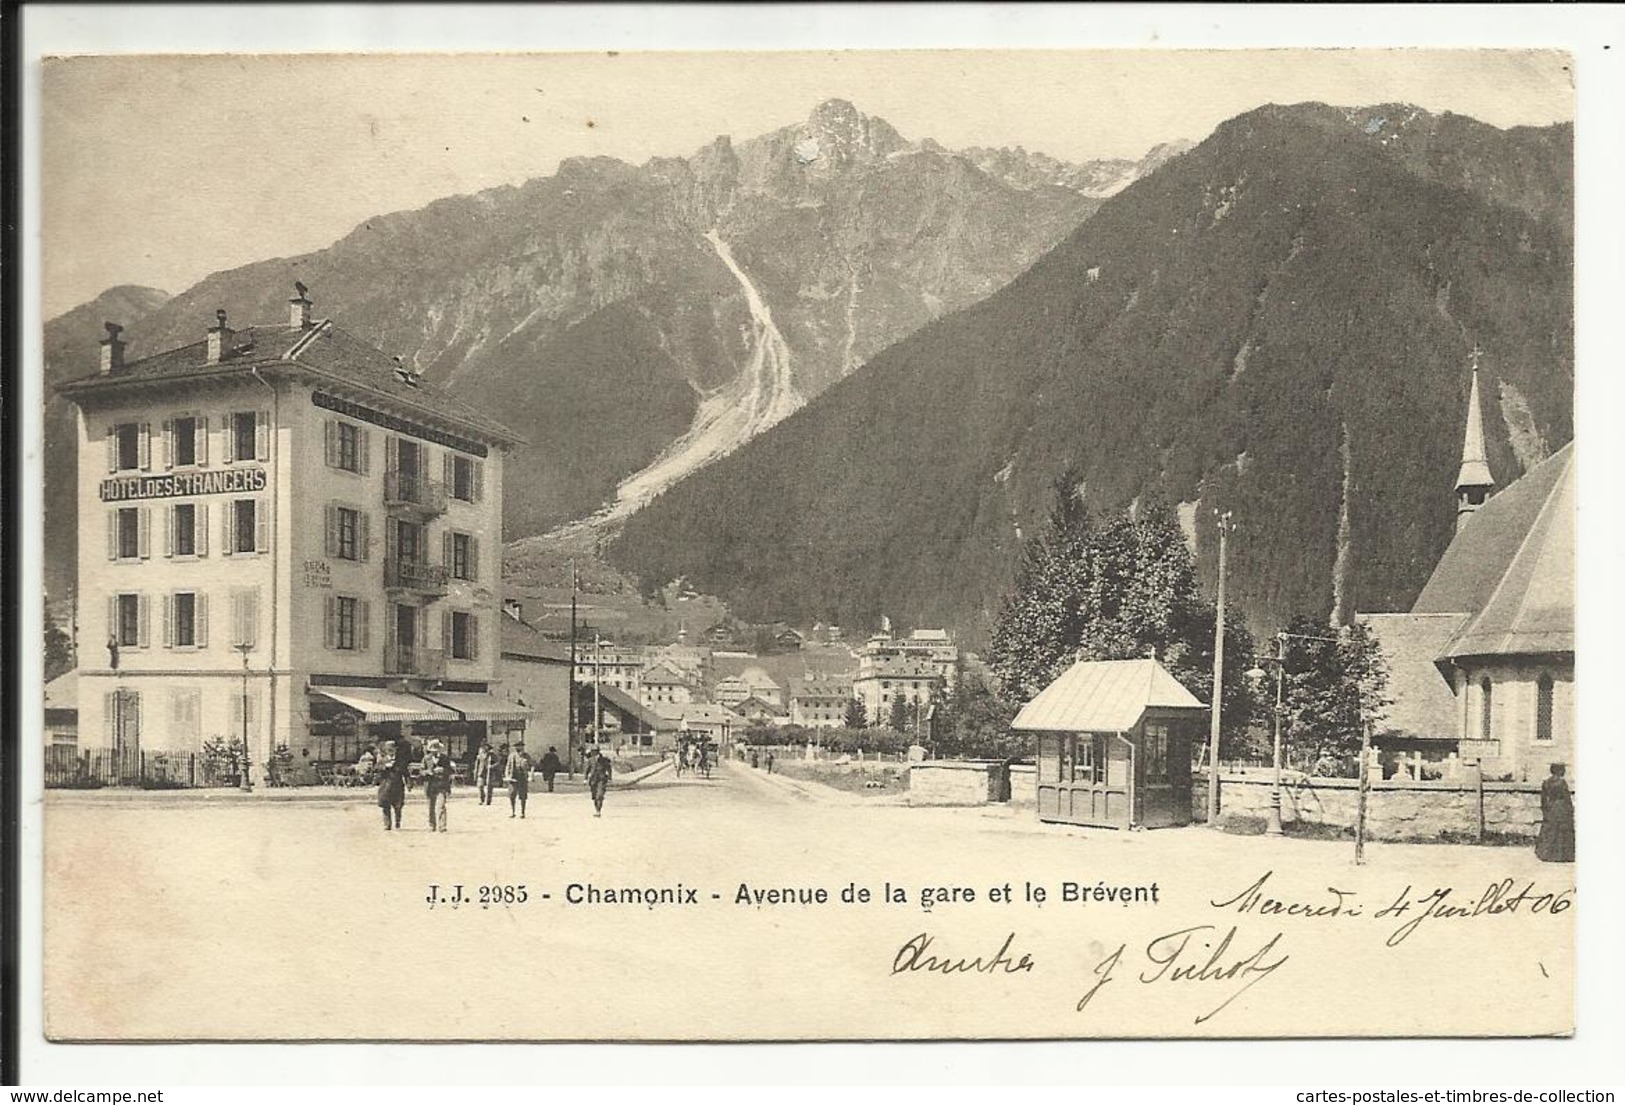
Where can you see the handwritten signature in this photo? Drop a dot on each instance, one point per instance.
(1173, 959)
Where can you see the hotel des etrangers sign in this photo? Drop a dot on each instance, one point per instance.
(176, 485)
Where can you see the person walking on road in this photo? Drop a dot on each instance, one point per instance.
(436, 783)
(392, 785)
(483, 774)
(598, 773)
(1556, 841)
(517, 776)
(550, 767)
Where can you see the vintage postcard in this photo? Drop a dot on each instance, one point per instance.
(859, 545)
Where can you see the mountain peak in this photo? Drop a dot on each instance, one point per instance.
(837, 131)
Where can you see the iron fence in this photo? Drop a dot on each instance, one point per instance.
(69, 767)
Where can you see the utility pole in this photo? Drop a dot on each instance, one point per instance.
(1365, 789)
(597, 691)
(570, 722)
(1218, 682)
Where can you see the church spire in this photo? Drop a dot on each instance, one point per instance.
(1473, 482)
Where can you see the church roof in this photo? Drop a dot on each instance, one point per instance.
(1530, 606)
(1104, 696)
(1475, 467)
(1423, 705)
(1480, 555)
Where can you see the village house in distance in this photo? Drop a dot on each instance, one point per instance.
(287, 535)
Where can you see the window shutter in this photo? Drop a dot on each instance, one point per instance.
(200, 624)
(363, 538)
(391, 539)
(112, 535)
(167, 439)
(448, 471)
(446, 542)
(363, 624)
(200, 438)
(392, 454)
(112, 448)
(446, 620)
(262, 527)
(252, 604)
(329, 618)
(331, 524)
(479, 481)
(474, 558)
(330, 431)
(228, 437)
(143, 530)
(473, 636)
(200, 516)
(363, 449)
(110, 718)
(112, 618)
(237, 725)
(169, 530)
(169, 621)
(144, 621)
(146, 446)
(262, 435)
(391, 628)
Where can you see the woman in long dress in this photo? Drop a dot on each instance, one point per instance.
(1556, 841)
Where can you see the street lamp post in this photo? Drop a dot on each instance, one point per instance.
(245, 782)
(1274, 827)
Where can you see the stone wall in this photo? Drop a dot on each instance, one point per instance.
(1395, 810)
(955, 783)
(1024, 786)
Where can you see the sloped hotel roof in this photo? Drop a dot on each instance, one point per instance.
(324, 351)
(1527, 555)
(1104, 696)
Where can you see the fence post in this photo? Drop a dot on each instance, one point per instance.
(1365, 787)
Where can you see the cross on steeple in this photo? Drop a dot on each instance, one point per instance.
(1477, 352)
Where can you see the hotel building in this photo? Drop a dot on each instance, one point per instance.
(285, 533)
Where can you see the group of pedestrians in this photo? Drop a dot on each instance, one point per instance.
(494, 765)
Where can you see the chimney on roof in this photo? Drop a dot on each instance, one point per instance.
(112, 349)
(219, 333)
(299, 308)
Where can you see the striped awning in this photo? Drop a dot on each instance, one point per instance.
(478, 706)
(375, 704)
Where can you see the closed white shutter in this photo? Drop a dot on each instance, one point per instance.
(446, 621)
(330, 618)
(262, 526)
(330, 432)
(363, 624)
(200, 514)
(392, 454)
(262, 435)
(112, 534)
(448, 543)
(448, 472)
(143, 529)
(144, 621)
(473, 636)
(167, 440)
(169, 621)
(228, 518)
(112, 619)
(200, 616)
(363, 536)
(363, 449)
(110, 718)
(112, 449)
(479, 481)
(228, 435)
(330, 523)
(145, 445)
(200, 432)
(169, 530)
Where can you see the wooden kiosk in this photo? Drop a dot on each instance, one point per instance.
(1114, 745)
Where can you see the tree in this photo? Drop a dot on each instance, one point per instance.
(1333, 687)
(58, 649)
(1115, 589)
(898, 719)
(856, 717)
(977, 722)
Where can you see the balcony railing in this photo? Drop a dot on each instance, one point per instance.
(414, 492)
(414, 575)
(426, 663)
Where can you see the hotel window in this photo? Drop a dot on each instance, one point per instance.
(347, 536)
(129, 533)
(185, 716)
(188, 531)
(1486, 709)
(462, 636)
(348, 622)
(129, 446)
(183, 435)
(462, 556)
(465, 478)
(348, 446)
(245, 527)
(186, 620)
(1545, 690)
(247, 435)
(245, 617)
(128, 620)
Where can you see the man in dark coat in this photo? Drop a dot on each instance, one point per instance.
(598, 773)
(392, 783)
(436, 784)
(484, 776)
(1556, 841)
(550, 767)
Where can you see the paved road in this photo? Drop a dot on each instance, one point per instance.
(251, 917)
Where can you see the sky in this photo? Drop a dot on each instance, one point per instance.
(158, 170)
